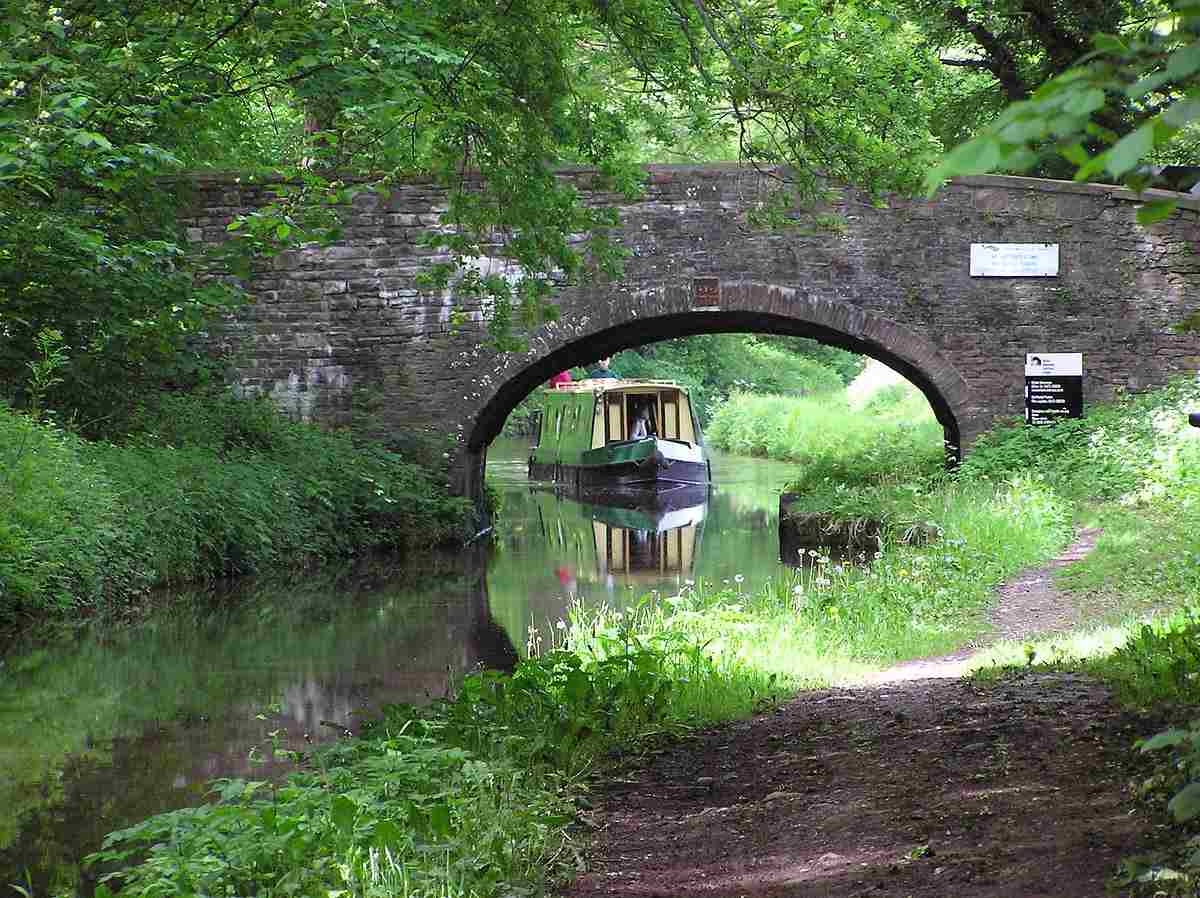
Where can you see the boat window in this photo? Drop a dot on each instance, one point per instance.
(670, 422)
(598, 425)
(616, 419)
(687, 429)
(642, 417)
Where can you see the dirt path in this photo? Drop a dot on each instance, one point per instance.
(1027, 605)
(916, 787)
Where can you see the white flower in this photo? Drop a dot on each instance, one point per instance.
(738, 578)
(562, 625)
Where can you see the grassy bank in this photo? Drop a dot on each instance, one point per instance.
(828, 427)
(200, 486)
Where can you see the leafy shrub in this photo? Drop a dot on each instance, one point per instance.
(214, 419)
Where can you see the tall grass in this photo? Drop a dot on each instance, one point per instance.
(827, 429)
(203, 486)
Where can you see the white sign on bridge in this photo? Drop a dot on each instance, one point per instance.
(1014, 260)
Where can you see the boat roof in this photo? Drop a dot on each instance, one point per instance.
(609, 384)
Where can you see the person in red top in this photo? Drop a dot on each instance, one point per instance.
(563, 377)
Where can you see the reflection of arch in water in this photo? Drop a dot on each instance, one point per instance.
(486, 644)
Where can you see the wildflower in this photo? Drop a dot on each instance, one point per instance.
(738, 578)
(562, 624)
(689, 582)
(823, 581)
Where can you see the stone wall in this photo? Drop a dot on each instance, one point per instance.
(888, 278)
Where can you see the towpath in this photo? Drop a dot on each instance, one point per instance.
(918, 785)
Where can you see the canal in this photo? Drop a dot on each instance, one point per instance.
(131, 721)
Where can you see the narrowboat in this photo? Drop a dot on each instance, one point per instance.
(618, 434)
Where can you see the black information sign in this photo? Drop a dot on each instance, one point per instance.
(1053, 387)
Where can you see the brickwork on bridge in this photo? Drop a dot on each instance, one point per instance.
(888, 279)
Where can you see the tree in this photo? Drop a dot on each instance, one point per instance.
(99, 101)
(1003, 50)
(1154, 72)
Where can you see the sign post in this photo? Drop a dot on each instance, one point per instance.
(1053, 387)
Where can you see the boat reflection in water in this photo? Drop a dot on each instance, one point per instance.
(611, 539)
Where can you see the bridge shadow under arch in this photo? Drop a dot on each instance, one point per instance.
(745, 308)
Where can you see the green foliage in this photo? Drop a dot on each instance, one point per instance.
(60, 521)
(1001, 51)
(1127, 99)
(399, 813)
(1156, 666)
(207, 485)
(91, 121)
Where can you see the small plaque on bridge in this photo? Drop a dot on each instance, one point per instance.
(1014, 260)
(1053, 386)
(706, 294)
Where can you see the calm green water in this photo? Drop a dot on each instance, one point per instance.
(125, 723)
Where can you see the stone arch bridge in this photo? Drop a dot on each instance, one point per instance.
(889, 279)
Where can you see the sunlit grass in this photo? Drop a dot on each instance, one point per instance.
(826, 430)
(1066, 649)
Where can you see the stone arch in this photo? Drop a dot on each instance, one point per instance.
(666, 311)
